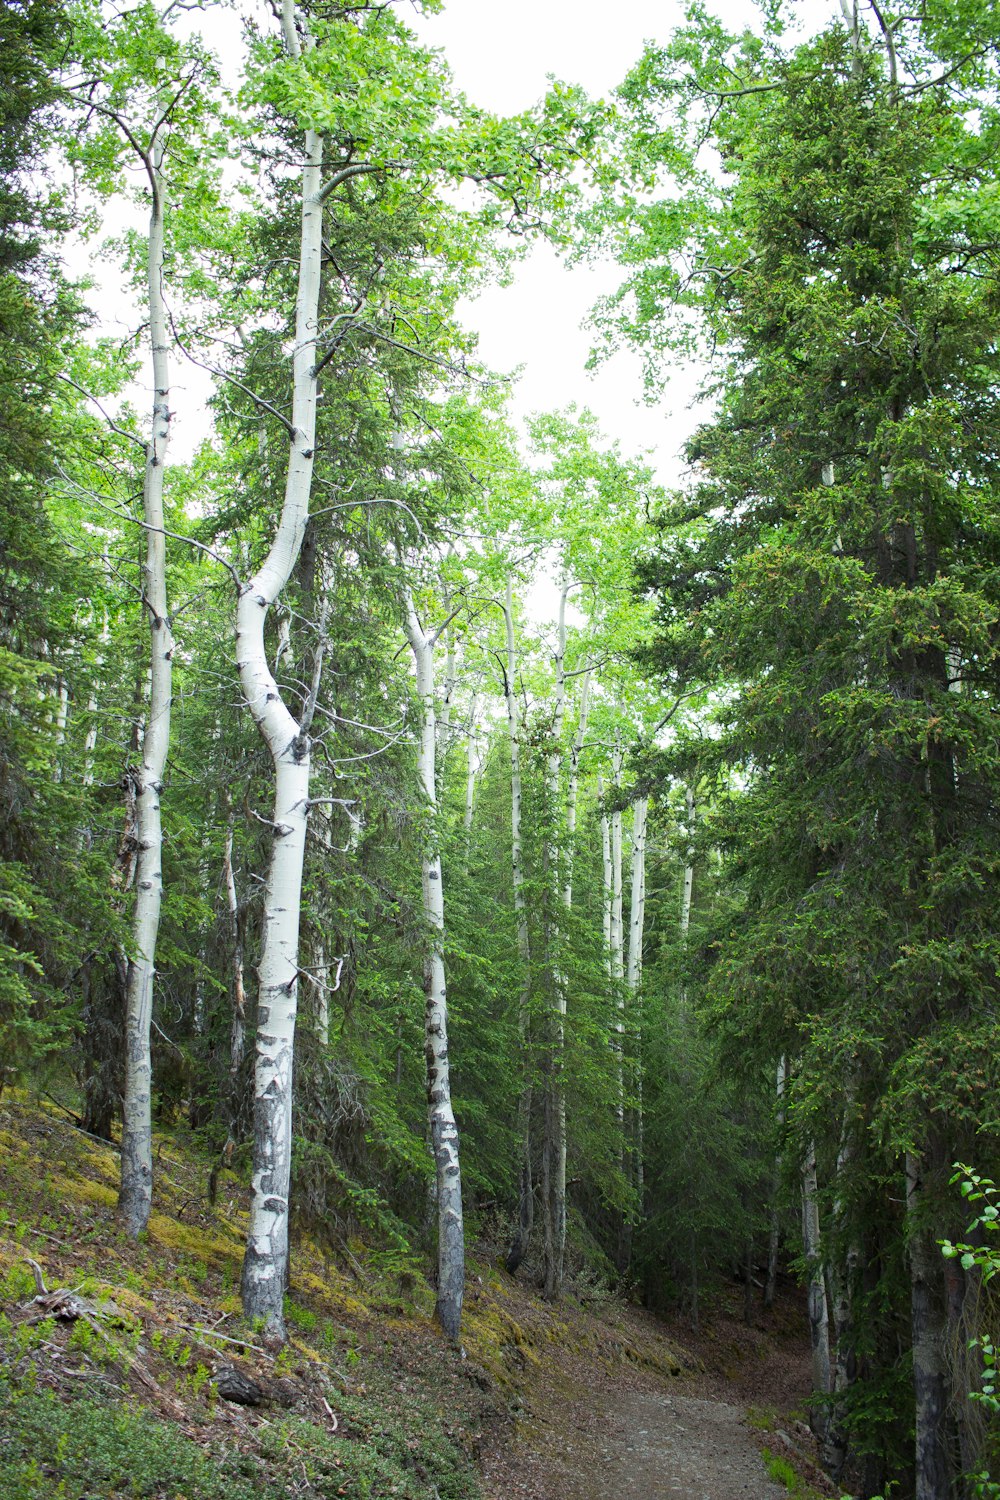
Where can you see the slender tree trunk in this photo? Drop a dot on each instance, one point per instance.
(573, 786)
(62, 717)
(471, 768)
(632, 1163)
(526, 1197)
(771, 1285)
(819, 1317)
(553, 1146)
(266, 1260)
(554, 1152)
(136, 1190)
(441, 1116)
(558, 1185)
(616, 938)
(237, 1034)
(843, 1282)
(321, 991)
(637, 905)
(608, 876)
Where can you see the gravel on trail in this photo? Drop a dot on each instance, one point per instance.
(607, 1441)
(604, 1428)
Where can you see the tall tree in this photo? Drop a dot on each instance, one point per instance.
(832, 565)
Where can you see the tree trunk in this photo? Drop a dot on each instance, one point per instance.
(554, 1142)
(136, 1190)
(526, 1197)
(266, 1260)
(441, 1116)
(771, 1285)
(471, 768)
(928, 1322)
(819, 1317)
(237, 1034)
(616, 940)
(632, 1158)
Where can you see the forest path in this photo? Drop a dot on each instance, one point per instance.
(595, 1431)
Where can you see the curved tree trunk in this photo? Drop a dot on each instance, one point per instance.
(266, 1260)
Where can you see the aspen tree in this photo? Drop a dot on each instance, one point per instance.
(441, 1116)
(287, 739)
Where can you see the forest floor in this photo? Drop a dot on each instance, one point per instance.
(132, 1375)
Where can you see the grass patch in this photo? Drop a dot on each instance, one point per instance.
(782, 1472)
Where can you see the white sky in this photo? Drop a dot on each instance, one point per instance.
(501, 56)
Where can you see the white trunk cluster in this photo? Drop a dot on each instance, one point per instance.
(266, 1260)
(441, 1116)
(136, 1188)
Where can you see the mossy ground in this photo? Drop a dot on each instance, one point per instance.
(366, 1399)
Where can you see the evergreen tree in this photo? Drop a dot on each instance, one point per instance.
(833, 569)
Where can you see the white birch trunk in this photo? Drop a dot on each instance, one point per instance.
(526, 1197)
(631, 1144)
(237, 1036)
(637, 904)
(819, 1317)
(136, 1189)
(266, 1260)
(572, 790)
(471, 770)
(322, 991)
(607, 870)
(554, 1144)
(688, 872)
(62, 716)
(617, 929)
(617, 951)
(771, 1285)
(843, 1280)
(441, 1116)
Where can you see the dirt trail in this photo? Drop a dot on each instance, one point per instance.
(591, 1442)
(596, 1431)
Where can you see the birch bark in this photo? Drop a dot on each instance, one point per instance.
(637, 903)
(136, 1186)
(632, 1137)
(554, 1142)
(441, 1116)
(266, 1260)
(818, 1307)
(774, 1240)
(616, 950)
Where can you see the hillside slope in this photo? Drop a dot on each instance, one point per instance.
(126, 1370)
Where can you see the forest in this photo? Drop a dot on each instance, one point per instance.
(451, 827)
